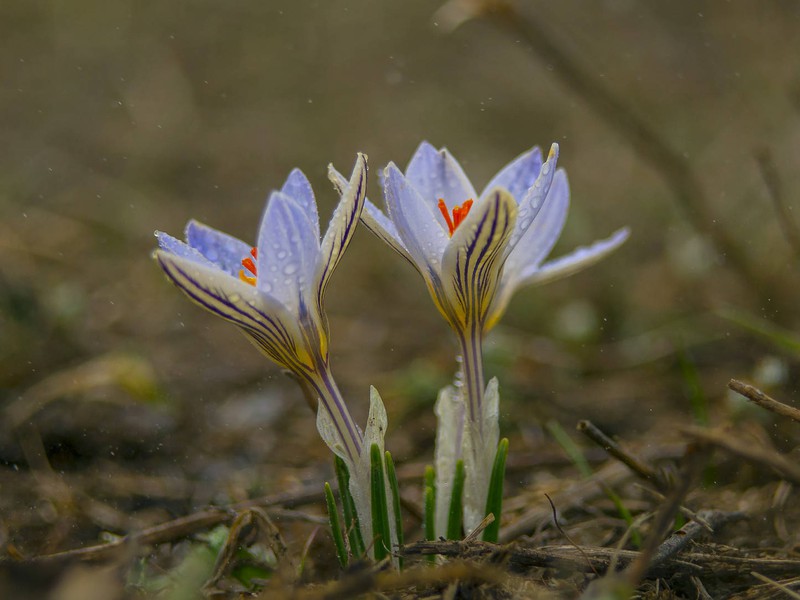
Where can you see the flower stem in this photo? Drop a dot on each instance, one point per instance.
(321, 384)
(471, 345)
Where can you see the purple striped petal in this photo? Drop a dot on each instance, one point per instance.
(342, 225)
(380, 225)
(261, 317)
(222, 249)
(436, 174)
(473, 260)
(518, 175)
(298, 188)
(288, 251)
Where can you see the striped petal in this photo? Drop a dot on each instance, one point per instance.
(534, 198)
(222, 249)
(436, 174)
(518, 175)
(264, 320)
(473, 262)
(342, 225)
(298, 188)
(288, 250)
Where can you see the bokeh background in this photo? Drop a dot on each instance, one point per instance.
(680, 121)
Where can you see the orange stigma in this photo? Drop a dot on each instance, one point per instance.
(459, 214)
(248, 264)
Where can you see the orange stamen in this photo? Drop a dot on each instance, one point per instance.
(248, 264)
(460, 213)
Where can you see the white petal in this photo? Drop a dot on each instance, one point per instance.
(518, 175)
(416, 224)
(573, 262)
(436, 174)
(298, 188)
(534, 198)
(175, 246)
(288, 251)
(220, 248)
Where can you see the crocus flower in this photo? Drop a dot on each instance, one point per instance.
(473, 251)
(274, 293)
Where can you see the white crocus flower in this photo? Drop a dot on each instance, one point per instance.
(473, 252)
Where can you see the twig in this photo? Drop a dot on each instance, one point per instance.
(756, 396)
(773, 182)
(759, 455)
(639, 467)
(777, 584)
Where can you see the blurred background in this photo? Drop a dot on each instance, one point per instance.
(680, 121)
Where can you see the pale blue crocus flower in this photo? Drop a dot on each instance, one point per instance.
(274, 293)
(474, 251)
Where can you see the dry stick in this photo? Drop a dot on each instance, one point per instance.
(773, 182)
(756, 396)
(786, 468)
(639, 467)
(674, 168)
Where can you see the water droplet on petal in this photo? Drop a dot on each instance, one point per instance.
(289, 269)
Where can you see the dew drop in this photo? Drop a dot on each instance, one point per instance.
(289, 269)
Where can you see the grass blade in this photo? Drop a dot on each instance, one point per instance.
(380, 509)
(391, 475)
(349, 508)
(494, 500)
(336, 529)
(430, 507)
(456, 514)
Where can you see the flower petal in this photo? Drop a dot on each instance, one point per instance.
(222, 249)
(264, 320)
(436, 174)
(298, 188)
(518, 175)
(178, 248)
(416, 225)
(534, 198)
(473, 260)
(342, 225)
(573, 262)
(288, 250)
(380, 225)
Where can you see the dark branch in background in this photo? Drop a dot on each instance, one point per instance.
(673, 166)
(769, 173)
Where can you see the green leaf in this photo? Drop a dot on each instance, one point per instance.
(573, 452)
(391, 474)
(349, 508)
(494, 499)
(380, 509)
(456, 513)
(336, 530)
(430, 507)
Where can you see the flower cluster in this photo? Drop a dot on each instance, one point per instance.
(473, 251)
